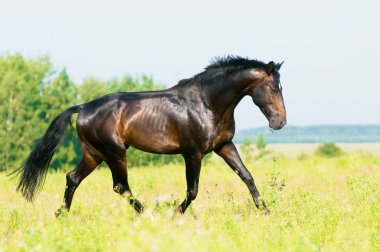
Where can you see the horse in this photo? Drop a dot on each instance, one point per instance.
(192, 118)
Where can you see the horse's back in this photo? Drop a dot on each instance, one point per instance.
(146, 120)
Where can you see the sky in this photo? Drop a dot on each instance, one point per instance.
(331, 48)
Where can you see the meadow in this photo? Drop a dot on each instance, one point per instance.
(316, 203)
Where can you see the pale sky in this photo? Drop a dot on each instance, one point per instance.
(331, 48)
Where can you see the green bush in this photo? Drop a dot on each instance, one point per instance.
(260, 143)
(328, 150)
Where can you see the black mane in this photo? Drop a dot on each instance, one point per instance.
(234, 63)
(227, 64)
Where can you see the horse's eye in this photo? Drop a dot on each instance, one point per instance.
(274, 91)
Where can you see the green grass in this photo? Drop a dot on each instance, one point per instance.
(328, 204)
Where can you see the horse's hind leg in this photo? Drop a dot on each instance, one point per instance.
(118, 165)
(75, 177)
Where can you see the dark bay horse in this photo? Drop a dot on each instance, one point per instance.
(192, 118)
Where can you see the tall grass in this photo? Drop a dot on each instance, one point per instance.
(328, 204)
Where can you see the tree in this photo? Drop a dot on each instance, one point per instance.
(21, 89)
(90, 89)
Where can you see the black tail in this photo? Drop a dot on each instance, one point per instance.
(33, 171)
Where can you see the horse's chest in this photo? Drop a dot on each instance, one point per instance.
(217, 135)
(207, 131)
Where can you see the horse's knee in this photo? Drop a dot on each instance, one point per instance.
(72, 179)
(192, 194)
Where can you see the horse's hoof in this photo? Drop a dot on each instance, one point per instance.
(266, 211)
(179, 210)
(58, 213)
(138, 207)
(61, 212)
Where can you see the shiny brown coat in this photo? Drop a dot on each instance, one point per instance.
(193, 118)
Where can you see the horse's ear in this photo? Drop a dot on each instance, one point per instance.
(270, 67)
(278, 66)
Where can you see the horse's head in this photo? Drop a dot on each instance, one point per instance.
(267, 95)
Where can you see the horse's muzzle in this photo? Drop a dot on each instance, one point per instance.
(277, 123)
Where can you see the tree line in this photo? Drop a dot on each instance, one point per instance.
(32, 93)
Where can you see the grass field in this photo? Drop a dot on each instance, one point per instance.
(327, 204)
(294, 150)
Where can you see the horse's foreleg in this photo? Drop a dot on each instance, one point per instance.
(193, 168)
(75, 177)
(119, 172)
(229, 153)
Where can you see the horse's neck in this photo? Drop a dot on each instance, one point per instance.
(222, 96)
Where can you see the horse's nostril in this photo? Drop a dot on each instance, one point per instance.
(283, 123)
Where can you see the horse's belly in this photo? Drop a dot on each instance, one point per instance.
(154, 145)
(153, 139)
